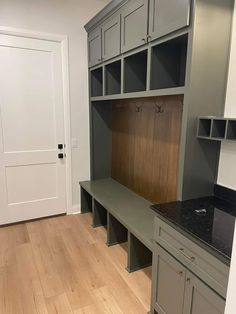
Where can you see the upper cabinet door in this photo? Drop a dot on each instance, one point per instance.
(95, 47)
(111, 38)
(134, 25)
(168, 16)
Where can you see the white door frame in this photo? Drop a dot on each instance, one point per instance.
(63, 40)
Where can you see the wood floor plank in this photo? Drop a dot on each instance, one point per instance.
(31, 292)
(62, 265)
(59, 304)
(50, 279)
(11, 302)
(10, 237)
(91, 309)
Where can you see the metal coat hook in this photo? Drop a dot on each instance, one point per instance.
(159, 109)
(138, 108)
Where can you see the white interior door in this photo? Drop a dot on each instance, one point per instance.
(32, 178)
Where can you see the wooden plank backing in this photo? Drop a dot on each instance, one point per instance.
(145, 145)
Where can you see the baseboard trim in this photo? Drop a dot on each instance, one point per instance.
(75, 210)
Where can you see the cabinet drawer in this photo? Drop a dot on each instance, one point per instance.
(207, 267)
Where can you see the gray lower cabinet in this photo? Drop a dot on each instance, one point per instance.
(176, 290)
(111, 38)
(199, 298)
(168, 16)
(168, 282)
(134, 25)
(95, 47)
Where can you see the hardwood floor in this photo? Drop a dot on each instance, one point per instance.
(62, 265)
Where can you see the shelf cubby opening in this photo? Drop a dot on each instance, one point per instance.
(96, 77)
(218, 129)
(113, 78)
(204, 127)
(135, 72)
(168, 64)
(231, 130)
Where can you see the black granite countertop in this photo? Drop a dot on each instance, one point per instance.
(208, 221)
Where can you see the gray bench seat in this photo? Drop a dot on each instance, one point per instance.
(120, 208)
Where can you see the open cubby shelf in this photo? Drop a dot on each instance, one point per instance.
(135, 72)
(204, 127)
(167, 72)
(113, 78)
(168, 63)
(231, 130)
(96, 77)
(218, 129)
(215, 128)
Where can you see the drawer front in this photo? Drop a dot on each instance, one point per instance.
(207, 267)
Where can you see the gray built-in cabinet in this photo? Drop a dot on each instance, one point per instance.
(135, 24)
(168, 51)
(149, 48)
(104, 42)
(167, 16)
(95, 47)
(111, 38)
(179, 291)
(186, 279)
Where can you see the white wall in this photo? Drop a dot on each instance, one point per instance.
(227, 165)
(64, 17)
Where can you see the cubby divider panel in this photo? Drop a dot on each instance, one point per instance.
(99, 214)
(168, 64)
(96, 77)
(135, 72)
(86, 201)
(113, 78)
(116, 232)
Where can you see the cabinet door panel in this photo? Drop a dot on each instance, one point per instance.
(168, 16)
(134, 25)
(168, 283)
(95, 47)
(200, 298)
(111, 38)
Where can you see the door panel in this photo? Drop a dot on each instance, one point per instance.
(168, 16)
(32, 178)
(27, 133)
(168, 283)
(200, 298)
(134, 25)
(22, 186)
(95, 47)
(111, 38)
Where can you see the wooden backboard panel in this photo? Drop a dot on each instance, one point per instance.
(145, 145)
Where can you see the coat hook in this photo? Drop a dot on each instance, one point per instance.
(159, 109)
(138, 108)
